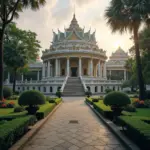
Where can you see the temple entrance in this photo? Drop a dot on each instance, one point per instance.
(74, 71)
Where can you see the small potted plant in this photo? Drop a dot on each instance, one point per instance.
(31, 99)
(88, 93)
(116, 100)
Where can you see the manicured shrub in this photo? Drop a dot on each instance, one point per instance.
(32, 99)
(11, 104)
(95, 100)
(44, 110)
(19, 109)
(59, 94)
(108, 90)
(88, 93)
(51, 101)
(7, 92)
(11, 131)
(130, 108)
(147, 103)
(13, 97)
(117, 99)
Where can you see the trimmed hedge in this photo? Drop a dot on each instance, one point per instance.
(7, 92)
(138, 129)
(45, 110)
(11, 131)
(101, 108)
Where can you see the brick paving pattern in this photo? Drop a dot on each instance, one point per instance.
(89, 133)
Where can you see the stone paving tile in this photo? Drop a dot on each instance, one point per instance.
(89, 134)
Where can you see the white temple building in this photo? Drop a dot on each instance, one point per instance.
(74, 64)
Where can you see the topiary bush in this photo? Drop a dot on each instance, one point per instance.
(59, 94)
(32, 99)
(88, 93)
(130, 108)
(108, 90)
(19, 109)
(7, 92)
(117, 99)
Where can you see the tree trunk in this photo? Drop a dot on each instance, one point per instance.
(139, 66)
(1, 61)
(14, 81)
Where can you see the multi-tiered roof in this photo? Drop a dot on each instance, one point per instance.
(74, 32)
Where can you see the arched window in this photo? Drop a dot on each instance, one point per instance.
(102, 89)
(39, 88)
(95, 89)
(51, 89)
(44, 89)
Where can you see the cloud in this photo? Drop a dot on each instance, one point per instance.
(58, 13)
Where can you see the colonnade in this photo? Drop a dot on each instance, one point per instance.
(54, 69)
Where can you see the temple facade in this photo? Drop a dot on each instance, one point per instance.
(74, 64)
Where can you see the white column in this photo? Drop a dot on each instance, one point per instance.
(59, 67)
(104, 71)
(38, 75)
(48, 69)
(80, 66)
(43, 70)
(56, 67)
(91, 68)
(125, 75)
(99, 69)
(68, 67)
(8, 77)
(89, 71)
(22, 77)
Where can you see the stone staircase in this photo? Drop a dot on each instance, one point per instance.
(73, 87)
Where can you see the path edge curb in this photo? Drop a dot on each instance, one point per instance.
(19, 145)
(112, 127)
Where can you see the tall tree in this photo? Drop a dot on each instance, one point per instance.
(20, 47)
(123, 15)
(8, 10)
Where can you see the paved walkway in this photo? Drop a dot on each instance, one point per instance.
(60, 134)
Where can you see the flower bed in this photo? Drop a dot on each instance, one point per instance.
(11, 131)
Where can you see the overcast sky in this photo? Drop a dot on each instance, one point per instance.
(58, 14)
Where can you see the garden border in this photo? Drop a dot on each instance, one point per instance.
(126, 142)
(34, 130)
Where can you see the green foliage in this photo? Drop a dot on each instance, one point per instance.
(108, 91)
(31, 98)
(59, 94)
(19, 109)
(88, 93)
(7, 92)
(116, 99)
(13, 97)
(130, 108)
(45, 110)
(95, 99)
(11, 131)
(137, 129)
(51, 101)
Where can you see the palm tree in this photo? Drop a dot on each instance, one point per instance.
(123, 15)
(8, 11)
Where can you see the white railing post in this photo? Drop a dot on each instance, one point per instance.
(63, 86)
(83, 83)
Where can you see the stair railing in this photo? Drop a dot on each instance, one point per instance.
(64, 83)
(83, 83)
